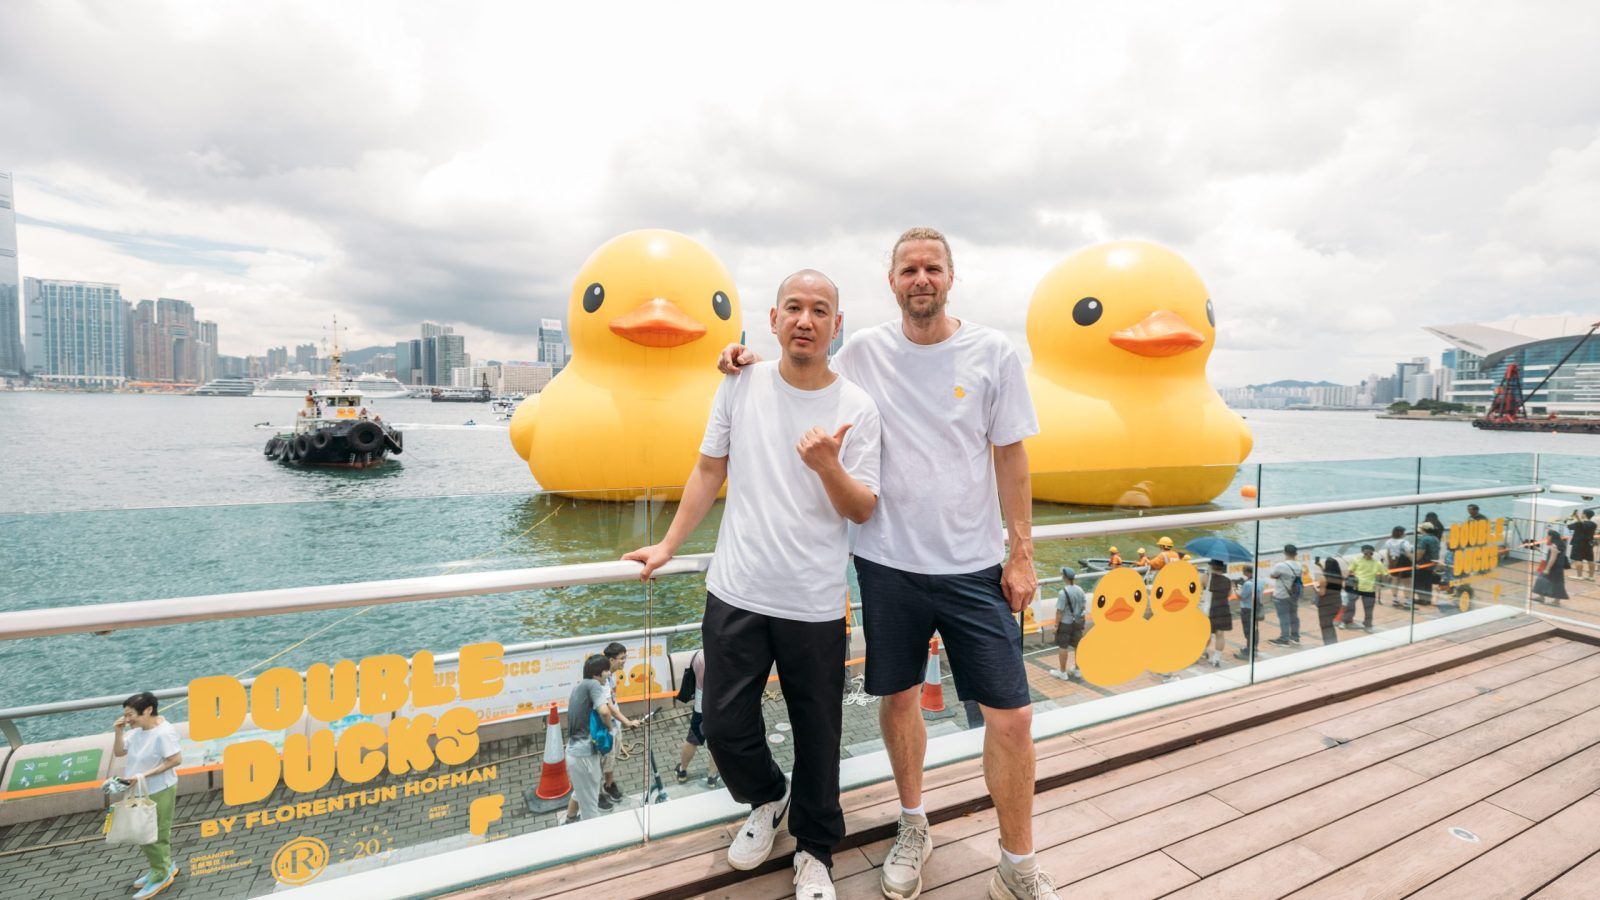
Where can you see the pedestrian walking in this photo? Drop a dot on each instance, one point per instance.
(1286, 579)
(1583, 528)
(1368, 572)
(1071, 608)
(148, 745)
(1330, 596)
(1551, 584)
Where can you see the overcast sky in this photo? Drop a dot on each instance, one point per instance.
(1340, 174)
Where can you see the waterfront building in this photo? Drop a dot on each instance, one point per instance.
(305, 357)
(1483, 350)
(168, 345)
(13, 361)
(434, 329)
(504, 378)
(277, 360)
(402, 361)
(206, 352)
(552, 344)
(77, 331)
(449, 354)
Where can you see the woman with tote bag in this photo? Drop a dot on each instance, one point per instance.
(151, 758)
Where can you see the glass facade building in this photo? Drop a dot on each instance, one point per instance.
(76, 329)
(552, 343)
(12, 359)
(1482, 352)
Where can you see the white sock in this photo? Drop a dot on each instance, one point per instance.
(1013, 858)
(920, 810)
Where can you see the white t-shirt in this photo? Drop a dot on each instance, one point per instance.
(782, 548)
(148, 749)
(943, 405)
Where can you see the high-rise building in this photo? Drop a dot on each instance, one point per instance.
(168, 345)
(402, 362)
(277, 360)
(552, 344)
(434, 329)
(76, 330)
(13, 361)
(305, 357)
(450, 355)
(206, 353)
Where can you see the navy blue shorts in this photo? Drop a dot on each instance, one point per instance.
(981, 636)
(696, 736)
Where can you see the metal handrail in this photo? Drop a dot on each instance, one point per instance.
(107, 617)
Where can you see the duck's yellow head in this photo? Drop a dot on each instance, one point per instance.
(1120, 599)
(652, 295)
(1175, 589)
(1122, 308)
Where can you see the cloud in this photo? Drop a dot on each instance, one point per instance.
(1340, 175)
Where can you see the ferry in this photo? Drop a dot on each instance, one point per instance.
(295, 384)
(227, 386)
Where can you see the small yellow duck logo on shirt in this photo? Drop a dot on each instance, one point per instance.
(960, 392)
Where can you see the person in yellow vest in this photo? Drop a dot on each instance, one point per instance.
(1165, 555)
(1116, 559)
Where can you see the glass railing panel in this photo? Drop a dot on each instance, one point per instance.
(537, 640)
(1481, 558)
(1570, 512)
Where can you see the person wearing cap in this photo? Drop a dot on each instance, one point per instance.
(1286, 578)
(1071, 607)
(1164, 554)
(1367, 571)
(1142, 561)
(1116, 559)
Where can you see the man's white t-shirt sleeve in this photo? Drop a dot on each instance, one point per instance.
(1011, 416)
(863, 448)
(719, 428)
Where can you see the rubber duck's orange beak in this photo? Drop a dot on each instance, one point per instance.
(658, 323)
(1162, 333)
(1176, 602)
(1119, 610)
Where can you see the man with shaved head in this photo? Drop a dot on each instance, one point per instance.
(798, 448)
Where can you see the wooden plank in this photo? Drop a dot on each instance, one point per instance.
(1463, 715)
(1149, 876)
(1265, 877)
(1420, 859)
(1125, 841)
(1514, 725)
(1546, 793)
(1555, 743)
(1528, 861)
(780, 884)
(1246, 762)
(1577, 884)
(1253, 834)
(1251, 794)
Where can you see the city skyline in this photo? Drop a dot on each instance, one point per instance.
(1338, 176)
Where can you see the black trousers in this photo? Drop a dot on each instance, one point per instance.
(740, 648)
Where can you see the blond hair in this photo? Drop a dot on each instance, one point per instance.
(922, 233)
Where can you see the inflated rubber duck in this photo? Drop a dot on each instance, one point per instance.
(649, 312)
(1120, 334)
(1113, 649)
(1178, 630)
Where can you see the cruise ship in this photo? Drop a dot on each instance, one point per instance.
(227, 386)
(296, 384)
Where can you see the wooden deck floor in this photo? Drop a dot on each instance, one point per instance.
(1460, 767)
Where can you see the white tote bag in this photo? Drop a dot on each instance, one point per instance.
(133, 820)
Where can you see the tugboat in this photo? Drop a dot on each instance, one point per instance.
(335, 429)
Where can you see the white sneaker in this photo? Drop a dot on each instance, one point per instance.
(812, 880)
(901, 876)
(753, 844)
(1060, 674)
(1019, 883)
(1074, 673)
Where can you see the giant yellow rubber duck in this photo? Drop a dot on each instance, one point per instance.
(1178, 630)
(649, 312)
(1113, 649)
(1120, 334)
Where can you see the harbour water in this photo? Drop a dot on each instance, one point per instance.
(113, 498)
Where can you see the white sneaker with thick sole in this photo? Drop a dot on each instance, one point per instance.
(753, 844)
(901, 876)
(1024, 882)
(812, 880)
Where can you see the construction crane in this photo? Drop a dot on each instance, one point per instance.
(1508, 409)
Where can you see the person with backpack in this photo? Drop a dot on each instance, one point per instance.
(693, 691)
(1397, 563)
(1551, 585)
(1428, 570)
(1072, 607)
(588, 736)
(1286, 579)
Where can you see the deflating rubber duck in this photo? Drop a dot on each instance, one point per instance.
(1178, 630)
(1112, 650)
(649, 312)
(1120, 334)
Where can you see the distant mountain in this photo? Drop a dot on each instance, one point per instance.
(365, 354)
(1289, 383)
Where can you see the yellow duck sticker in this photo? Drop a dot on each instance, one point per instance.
(1113, 649)
(1178, 631)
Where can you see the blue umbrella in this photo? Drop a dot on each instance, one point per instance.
(1213, 547)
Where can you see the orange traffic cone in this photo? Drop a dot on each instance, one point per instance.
(553, 787)
(933, 688)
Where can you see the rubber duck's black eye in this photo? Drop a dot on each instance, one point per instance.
(1100, 601)
(1159, 592)
(1211, 314)
(1088, 311)
(721, 306)
(1137, 596)
(593, 296)
(1193, 588)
